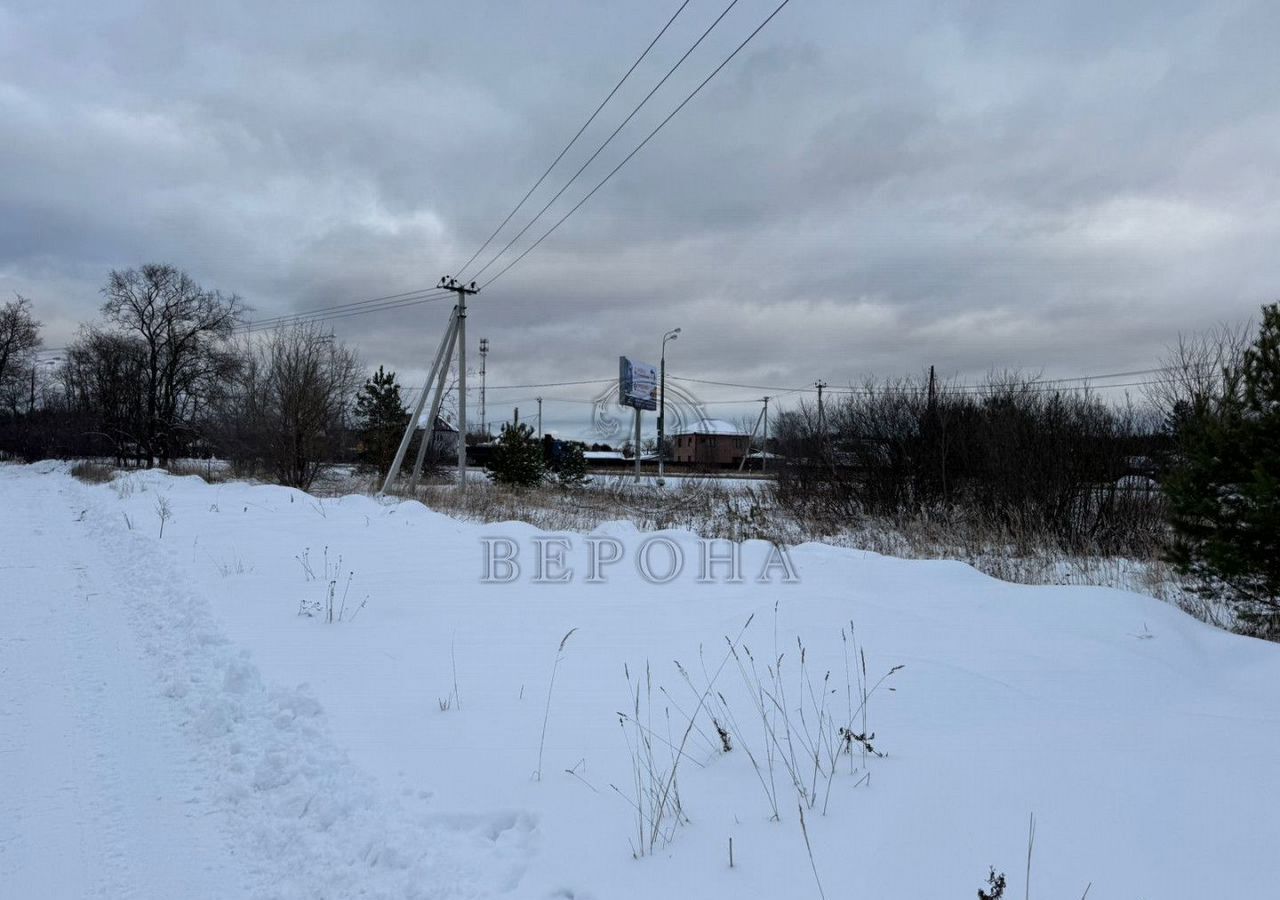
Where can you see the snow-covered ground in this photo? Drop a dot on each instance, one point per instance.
(171, 726)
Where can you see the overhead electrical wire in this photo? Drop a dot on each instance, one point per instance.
(606, 141)
(639, 146)
(756, 387)
(1032, 384)
(573, 140)
(500, 387)
(305, 318)
(353, 303)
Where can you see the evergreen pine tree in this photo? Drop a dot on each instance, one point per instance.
(381, 418)
(517, 460)
(1224, 488)
(572, 468)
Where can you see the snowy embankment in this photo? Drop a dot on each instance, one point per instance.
(171, 726)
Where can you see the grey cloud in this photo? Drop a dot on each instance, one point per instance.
(867, 189)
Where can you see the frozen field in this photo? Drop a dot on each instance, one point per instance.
(173, 722)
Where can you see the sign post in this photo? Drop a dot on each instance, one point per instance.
(637, 388)
(637, 444)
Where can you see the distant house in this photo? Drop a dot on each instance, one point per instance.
(613, 459)
(604, 457)
(444, 436)
(711, 443)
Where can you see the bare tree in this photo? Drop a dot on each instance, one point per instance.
(102, 379)
(19, 340)
(179, 324)
(291, 404)
(1198, 369)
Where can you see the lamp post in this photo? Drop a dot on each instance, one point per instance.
(662, 401)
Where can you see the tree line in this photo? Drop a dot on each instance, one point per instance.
(1029, 462)
(169, 372)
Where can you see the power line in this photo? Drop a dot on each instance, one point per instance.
(754, 387)
(642, 144)
(338, 306)
(337, 311)
(306, 318)
(538, 384)
(606, 143)
(391, 301)
(1031, 383)
(1028, 387)
(572, 141)
(1111, 375)
(552, 384)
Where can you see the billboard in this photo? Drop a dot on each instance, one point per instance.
(637, 384)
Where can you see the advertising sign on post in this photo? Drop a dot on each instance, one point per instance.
(637, 384)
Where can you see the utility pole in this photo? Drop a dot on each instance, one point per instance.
(822, 421)
(662, 402)
(763, 417)
(637, 445)
(539, 418)
(463, 291)
(440, 368)
(764, 446)
(484, 353)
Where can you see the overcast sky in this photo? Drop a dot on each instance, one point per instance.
(869, 188)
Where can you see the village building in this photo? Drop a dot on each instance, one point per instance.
(709, 443)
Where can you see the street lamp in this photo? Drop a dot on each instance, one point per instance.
(662, 401)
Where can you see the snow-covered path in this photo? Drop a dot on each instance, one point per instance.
(142, 755)
(100, 794)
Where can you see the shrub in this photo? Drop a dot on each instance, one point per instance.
(571, 466)
(92, 472)
(517, 460)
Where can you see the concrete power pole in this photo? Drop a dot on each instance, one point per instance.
(822, 421)
(463, 291)
(763, 417)
(439, 368)
(764, 446)
(484, 354)
(539, 418)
